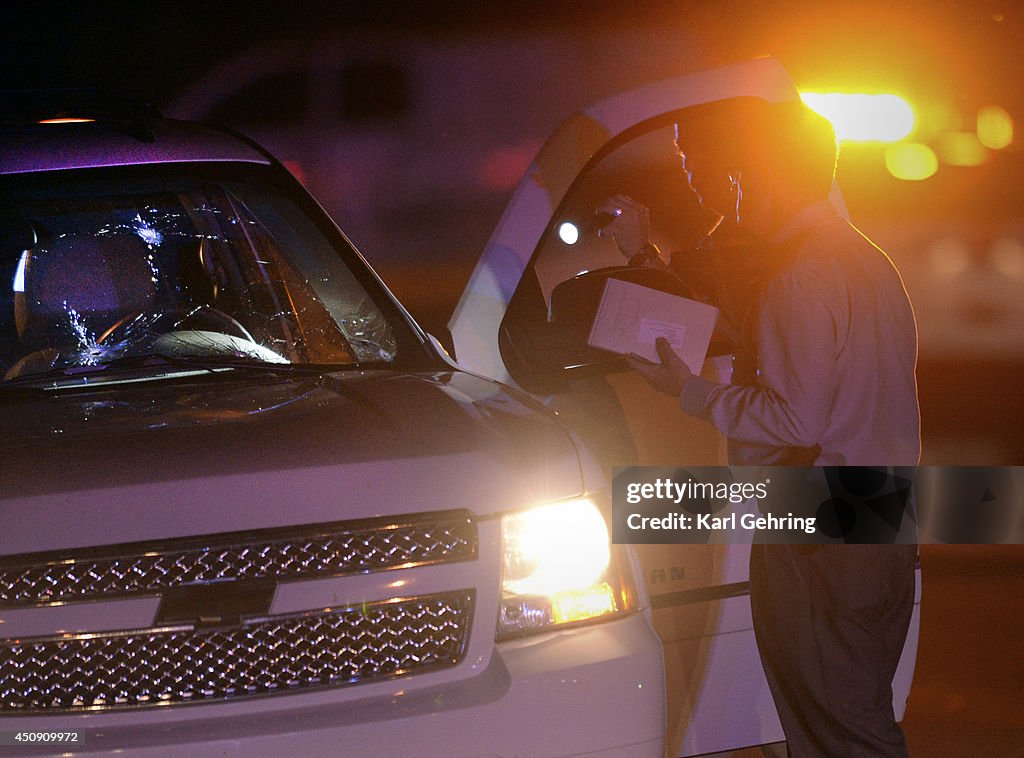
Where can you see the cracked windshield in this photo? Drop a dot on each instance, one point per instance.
(177, 269)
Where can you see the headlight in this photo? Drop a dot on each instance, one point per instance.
(559, 568)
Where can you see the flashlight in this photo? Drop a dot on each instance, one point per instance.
(570, 232)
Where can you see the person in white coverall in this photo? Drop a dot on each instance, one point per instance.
(827, 377)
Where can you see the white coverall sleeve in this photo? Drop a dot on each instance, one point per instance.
(797, 344)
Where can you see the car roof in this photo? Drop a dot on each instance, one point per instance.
(61, 131)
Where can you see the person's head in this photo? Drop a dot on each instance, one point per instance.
(762, 161)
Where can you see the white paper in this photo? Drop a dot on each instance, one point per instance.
(650, 329)
(631, 317)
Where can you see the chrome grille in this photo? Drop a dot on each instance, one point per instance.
(281, 554)
(280, 654)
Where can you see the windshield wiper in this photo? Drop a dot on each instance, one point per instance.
(156, 365)
(219, 362)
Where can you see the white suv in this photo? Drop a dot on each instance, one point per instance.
(247, 507)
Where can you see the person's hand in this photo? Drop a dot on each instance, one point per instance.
(669, 376)
(631, 227)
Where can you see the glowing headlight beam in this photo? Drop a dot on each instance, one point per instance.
(558, 547)
(863, 118)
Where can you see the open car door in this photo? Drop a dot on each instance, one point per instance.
(525, 318)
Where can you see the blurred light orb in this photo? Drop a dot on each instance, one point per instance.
(962, 149)
(863, 118)
(995, 127)
(1007, 256)
(569, 233)
(911, 161)
(950, 256)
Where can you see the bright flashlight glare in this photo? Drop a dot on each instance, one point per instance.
(863, 118)
(555, 548)
(569, 233)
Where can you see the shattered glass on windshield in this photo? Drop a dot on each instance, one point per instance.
(183, 269)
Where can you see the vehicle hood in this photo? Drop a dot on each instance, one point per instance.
(156, 460)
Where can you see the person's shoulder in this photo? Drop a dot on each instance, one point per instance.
(831, 231)
(814, 269)
(806, 275)
(832, 244)
(837, 261)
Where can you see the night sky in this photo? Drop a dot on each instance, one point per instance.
(153, 49)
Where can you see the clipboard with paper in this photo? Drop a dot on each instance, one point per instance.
(630, 317)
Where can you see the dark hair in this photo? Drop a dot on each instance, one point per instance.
(789, 139)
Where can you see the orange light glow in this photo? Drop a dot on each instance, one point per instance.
(995, 127)
(962, 149)
(911, 161)
(863, 118)
(577, 605)
(1007, 256)
(67, 121)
